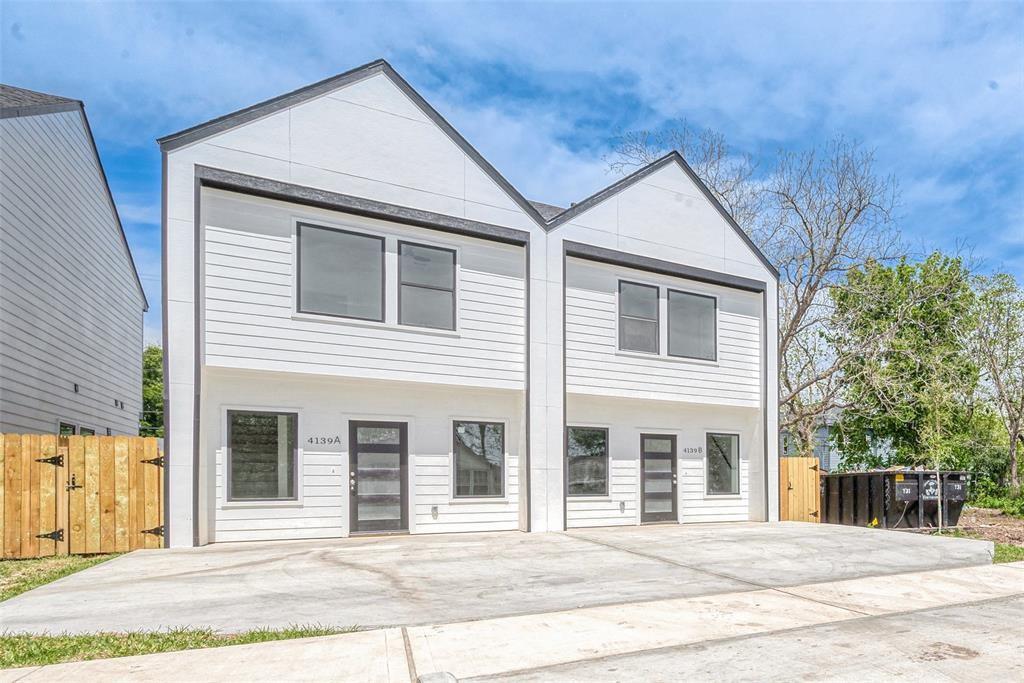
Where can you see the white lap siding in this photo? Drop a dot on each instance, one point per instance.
(594, 364)
(626, 419)
(251, 322)
(325, 407)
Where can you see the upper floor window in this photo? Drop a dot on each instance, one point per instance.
(340, 273)
(426, 286)
(638, 317)
(691, 325)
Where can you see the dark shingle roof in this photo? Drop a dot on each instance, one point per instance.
(21, 102)
(547, 211)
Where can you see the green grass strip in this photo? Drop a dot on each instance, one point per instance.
(38, 650)
(1006, 552)
(18, 576)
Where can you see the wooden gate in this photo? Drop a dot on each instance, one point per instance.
(79, 494)
(800, 494)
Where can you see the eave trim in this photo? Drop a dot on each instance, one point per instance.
(653, 265)
(360, 206)
(228, 121)
(638, 175)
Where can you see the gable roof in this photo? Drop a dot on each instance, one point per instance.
(290, 99)
(546, 215)
(22, 102)
(672, 157)
(16, 102)
(548, 211)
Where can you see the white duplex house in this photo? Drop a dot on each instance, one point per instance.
(369, 330)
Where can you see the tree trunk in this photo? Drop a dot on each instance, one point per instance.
(1014, 474)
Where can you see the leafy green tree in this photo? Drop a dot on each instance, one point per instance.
(998, 344)
(152, 392)
(917, 390)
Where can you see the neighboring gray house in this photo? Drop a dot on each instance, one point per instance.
(71, 302)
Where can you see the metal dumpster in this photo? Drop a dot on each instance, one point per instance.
(893, 499)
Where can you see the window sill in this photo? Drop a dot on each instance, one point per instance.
(504, 500)
(666, 357)
(723, 496)
(356, 322)
(241, 504)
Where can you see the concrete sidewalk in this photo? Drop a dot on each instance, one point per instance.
(415, 580)
(933, 613)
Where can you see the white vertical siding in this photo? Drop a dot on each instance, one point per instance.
(70, 308)
(594, 364)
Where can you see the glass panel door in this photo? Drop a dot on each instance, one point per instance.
(657, 478)
(378, 481)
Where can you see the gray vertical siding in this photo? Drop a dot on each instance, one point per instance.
(70, 308)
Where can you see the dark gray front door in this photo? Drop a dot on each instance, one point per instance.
(378, 476)
(657, 478)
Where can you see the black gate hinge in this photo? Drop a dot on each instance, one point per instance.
(156, 531)
(57, 535)
(158, 461)
(57, 460)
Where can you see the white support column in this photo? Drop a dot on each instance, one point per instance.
(547, 384)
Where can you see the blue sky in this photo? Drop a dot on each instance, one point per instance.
(542, 89)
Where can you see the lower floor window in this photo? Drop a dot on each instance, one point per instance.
(479, 459)
(587, 467)
(723, 475)
(262, 454)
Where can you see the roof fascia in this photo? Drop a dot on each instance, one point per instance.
(640, 174)
(113, 207)
(625, 259)
(37, 109)
(232, 181)
(273, 105)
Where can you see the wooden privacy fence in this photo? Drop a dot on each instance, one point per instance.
(800, 494)
(64, 495)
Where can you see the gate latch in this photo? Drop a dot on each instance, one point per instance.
(73, 485)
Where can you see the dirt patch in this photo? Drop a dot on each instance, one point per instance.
(992, 525)
(936, 652)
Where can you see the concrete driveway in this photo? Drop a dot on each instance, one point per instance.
(415, 580)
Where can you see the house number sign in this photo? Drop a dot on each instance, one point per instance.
(324, 440)
(692, 450)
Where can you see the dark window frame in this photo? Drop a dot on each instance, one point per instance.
(607, 462)
(296, 478)
(62, 423)
(707, 465)
(455, 462)
(656, 320)
(298, 271)
(453, 290)
(668, 314)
